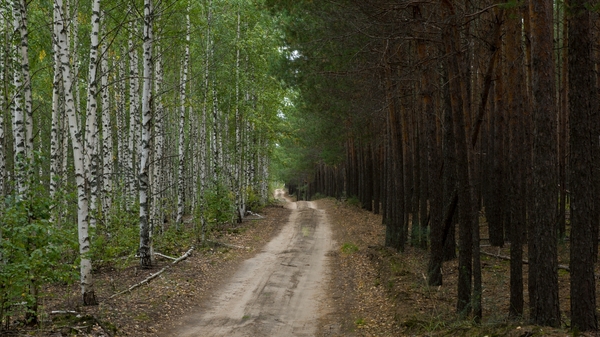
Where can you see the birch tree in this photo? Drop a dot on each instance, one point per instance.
(57, 114)
(18, 118)
(182, 114)
(145, 251)
(157, 163)
(204, 164)
(91, 159)
(134, 119)
(2, 103)
(87, 287)
(107, 144)
(21, 30)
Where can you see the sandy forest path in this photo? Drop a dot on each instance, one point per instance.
(278, 292)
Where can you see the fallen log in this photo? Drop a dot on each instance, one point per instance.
(255, 214)
(502, 257)
(153, 276)
(165, 256)
(63, 312)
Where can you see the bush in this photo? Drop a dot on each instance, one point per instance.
(353, 201)
(220, 204)
(116, 237)
(33, 252)
(318, 196)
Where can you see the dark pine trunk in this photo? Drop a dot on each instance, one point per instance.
(584, 143)
(516, 185)
(543, 271)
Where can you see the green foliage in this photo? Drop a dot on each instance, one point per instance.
(221, 205)
(171, 241)
(353, 201)
(318, 196)
(349, 248)
(116, 238)
(33, 252)
(253, 202)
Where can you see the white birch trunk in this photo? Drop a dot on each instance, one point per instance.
(57, 113)
(122, 138)
(215, 136)
(91, 142)
(18, 118)
(107, 144)
(204, 169)
(20, 22)
(183, 98)
(73, 36)
(145, 250)
(134, 120)
(3, 153)
(195, 155)
(158, 162)
(87, 289)
(240, 189)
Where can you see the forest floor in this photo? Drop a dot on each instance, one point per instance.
(365, 289)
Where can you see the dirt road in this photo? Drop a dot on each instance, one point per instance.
(280, 291)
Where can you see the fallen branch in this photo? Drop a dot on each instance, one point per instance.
(255, 214)
(502, 257)
(153, 276)
(62, 312)
(165, 256)
(227, 245)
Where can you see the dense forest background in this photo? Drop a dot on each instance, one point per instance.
(447, 115)
(128, 126)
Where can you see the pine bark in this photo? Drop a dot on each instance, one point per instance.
(584, 144)
(543, 272)
(460, 112)
(516, 194)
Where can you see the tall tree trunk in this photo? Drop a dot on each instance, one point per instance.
(516, 195)
(158, 162)
(91, 125)
(450, 187)
(563, 123)
(182, 116)
(583, 107)
(57, 114)
(18, 114)
(145, 250)
(107, 140)
(87, 289)
(544, 301)
(134, 118)
(20, 17)
(459, 112)
(205, 150)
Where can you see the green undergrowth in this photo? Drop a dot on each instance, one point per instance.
(349, 248)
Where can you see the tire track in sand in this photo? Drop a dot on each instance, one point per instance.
(279, 292)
